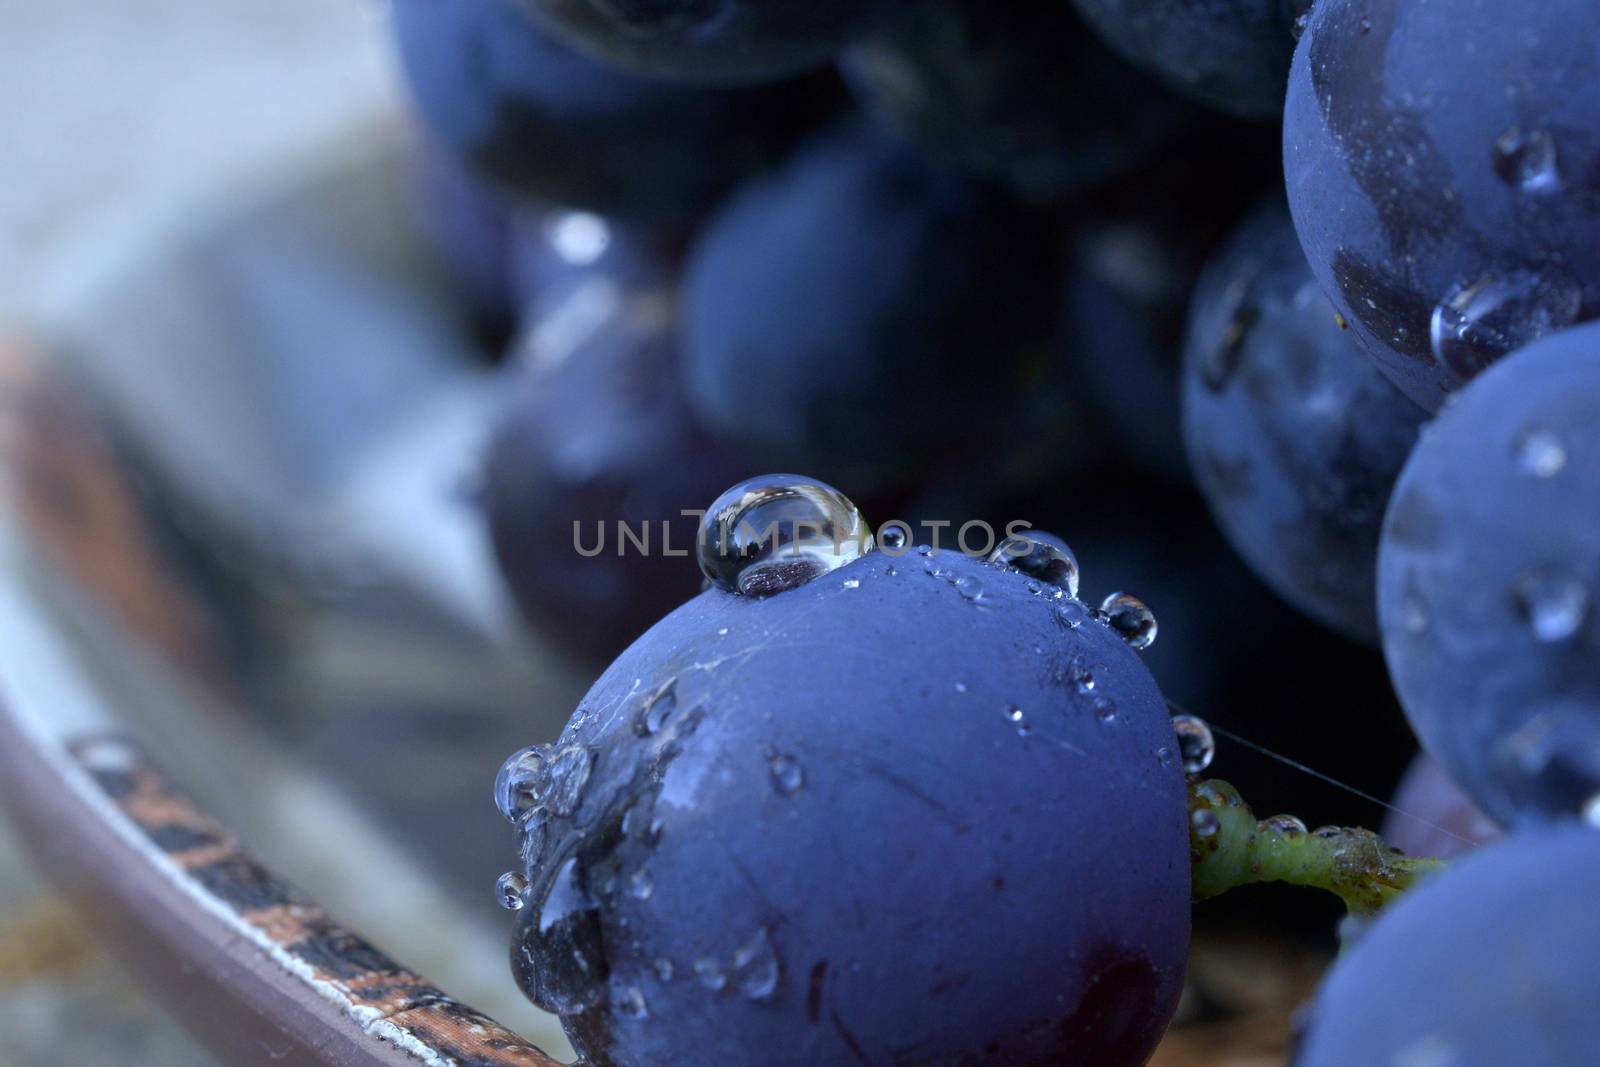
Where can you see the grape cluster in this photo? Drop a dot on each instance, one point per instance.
(1277, 311)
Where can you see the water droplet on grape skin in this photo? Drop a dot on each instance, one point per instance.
(520, 781)
(1541, 454)
(1478, 322)
(755, 967)
(1016, 717)
(1039, 557)
(663, 968)
(656, 708)
(709, 973)
(1196, 746)
(892, 537)
(511, 890)
(640, 887)
(787, 774)
(969, 587)
(1204, 824)
(1526, 160)
(1131, 619)
(631, 1003)
(776, 532)
(1554, 604)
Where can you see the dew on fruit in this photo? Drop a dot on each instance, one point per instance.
(1016, 717)
(1040, 559)
(1196, 746)
(640, 886)
(1541, 454)
(1131, 619)
(852, 583)
(1591, 811)
(569, 773)
(708, 972)
(1204, 823)
(1553, 603)
(655, 709)
(779, 531)
(755, 967)
(511, 890)
(520, 783)
(787, 774)
(1083, 678)
(892, 537)
(969, 587)
(1526, 160)
(629, 1001)
(1477, 323)
(1105, 709)
(663, 968)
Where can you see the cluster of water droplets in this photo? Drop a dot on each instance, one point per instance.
(779, 531)
(533, 785)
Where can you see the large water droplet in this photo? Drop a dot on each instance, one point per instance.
(1526, 160)
(755, 967)
(569, 773)
(511, 890)
(1130, 618)
(779, 531)
(519, 785)
(1479, 322)
(559, 955)
(1196, 746)
(1553, 603)
(969, 587)
(787, 774)
(1040, 556)
(1541, 454)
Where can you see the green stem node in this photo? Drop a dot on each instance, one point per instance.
(1230, 848)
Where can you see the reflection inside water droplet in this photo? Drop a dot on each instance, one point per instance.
(520, 782)
(511, 890)
(779, 531)
(1041, 556)
(1130, 618)
(1196, 747)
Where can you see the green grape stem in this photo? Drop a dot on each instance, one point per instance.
(1229, 848)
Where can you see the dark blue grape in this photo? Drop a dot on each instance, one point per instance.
(1294, 437)
(1492, 963)
(595, 433)
(1433, 817)
(871, 819)
(468, 225)
(712, 40)
(1230, 54)
(1021, 92)
(863, 313)
(1443, 163)
(1489, 578)
(548, 122)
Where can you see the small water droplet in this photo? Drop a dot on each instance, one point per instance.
(961, 687)
(722, 632)
(663, 968)
(656, 708)
(1204, 823)
(1130, 618)
(629, 1001)
(1477, 323)
(1105, 709)
(640, 886)
(1016, 717)
(787, 774)
(892, 537)
(755, 967)
(709, 973)
(1196, 746)
(512, 890)
(1301, 23)
(852, 583)
(1083, 678)
(1164, 754)
(969, 587)
(1526, 160)
(1541, 454)
(520, 783)
(569, 773)
(1287, 825)
(1042, 556)
(1365, 25)
(777, 532)
(1555, 604)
